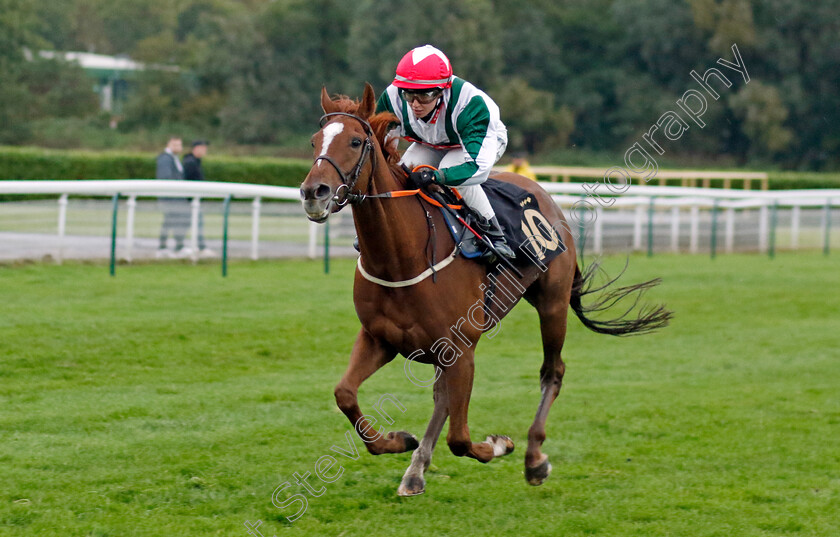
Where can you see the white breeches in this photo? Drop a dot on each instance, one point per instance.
(470, 189)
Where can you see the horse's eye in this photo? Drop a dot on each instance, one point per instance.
(356, 142)
(313, 143)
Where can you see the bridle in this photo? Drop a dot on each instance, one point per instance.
(348, 181)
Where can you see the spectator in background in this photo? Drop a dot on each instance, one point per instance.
(193, 172)
(176, 211)
(520, 165)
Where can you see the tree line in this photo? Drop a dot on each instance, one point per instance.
(592, 75)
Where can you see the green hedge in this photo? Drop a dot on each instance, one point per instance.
(796, 180)
(30, 163)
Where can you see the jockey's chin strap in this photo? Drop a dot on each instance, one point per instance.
(344, 193)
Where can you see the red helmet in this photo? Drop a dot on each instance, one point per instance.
(424, 68)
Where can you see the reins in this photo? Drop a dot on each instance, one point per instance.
(415, 192)
(348, 181)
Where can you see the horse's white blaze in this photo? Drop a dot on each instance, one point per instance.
(330, 132)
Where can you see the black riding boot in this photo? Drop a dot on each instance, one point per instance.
(494, 232)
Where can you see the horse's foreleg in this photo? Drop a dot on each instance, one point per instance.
(413, 482)
(459, 381)
(367, 357)
(553, 328)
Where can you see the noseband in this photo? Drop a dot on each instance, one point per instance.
(348, 181)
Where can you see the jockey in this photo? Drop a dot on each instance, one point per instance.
(453, 126)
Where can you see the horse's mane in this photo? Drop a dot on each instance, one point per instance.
(381, 124)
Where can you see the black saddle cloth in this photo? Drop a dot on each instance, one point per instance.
(528, 232)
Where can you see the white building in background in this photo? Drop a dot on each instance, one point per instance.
(112, 74)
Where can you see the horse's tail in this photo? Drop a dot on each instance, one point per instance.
(647, 318)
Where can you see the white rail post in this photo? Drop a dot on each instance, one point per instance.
(763, 228)
(195, 207)
(255, 228)
(313, 239)
(62, 226)
(598, 242)
(794, 227)
(638, 221)
(675, 229)
(129, 227)
(730, 229)
(694, 239)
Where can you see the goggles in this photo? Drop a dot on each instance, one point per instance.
(421, 96)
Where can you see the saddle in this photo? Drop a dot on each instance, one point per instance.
(527, 231)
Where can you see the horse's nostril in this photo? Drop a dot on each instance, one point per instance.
(323, 191)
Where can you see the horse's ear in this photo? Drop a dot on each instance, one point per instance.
(326, 103)
(368, 104)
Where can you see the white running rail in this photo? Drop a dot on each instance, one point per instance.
(644, 209)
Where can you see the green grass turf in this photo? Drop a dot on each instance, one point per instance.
(169, 401)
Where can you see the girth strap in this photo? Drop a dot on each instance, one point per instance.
(405, 283)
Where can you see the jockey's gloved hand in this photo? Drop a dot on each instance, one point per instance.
(424, 177)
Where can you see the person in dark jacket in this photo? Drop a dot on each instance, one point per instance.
(176, 211)
(192, 161)
(193, 172)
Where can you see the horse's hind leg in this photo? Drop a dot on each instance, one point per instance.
(413, 482)
(552, 312)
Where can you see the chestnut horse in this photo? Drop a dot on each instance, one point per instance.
(423, 318)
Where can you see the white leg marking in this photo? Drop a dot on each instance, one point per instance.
(499, 445)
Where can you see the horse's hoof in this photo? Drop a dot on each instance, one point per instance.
(410, 440)
(537, 475)
(412, 486)
(502, 445)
